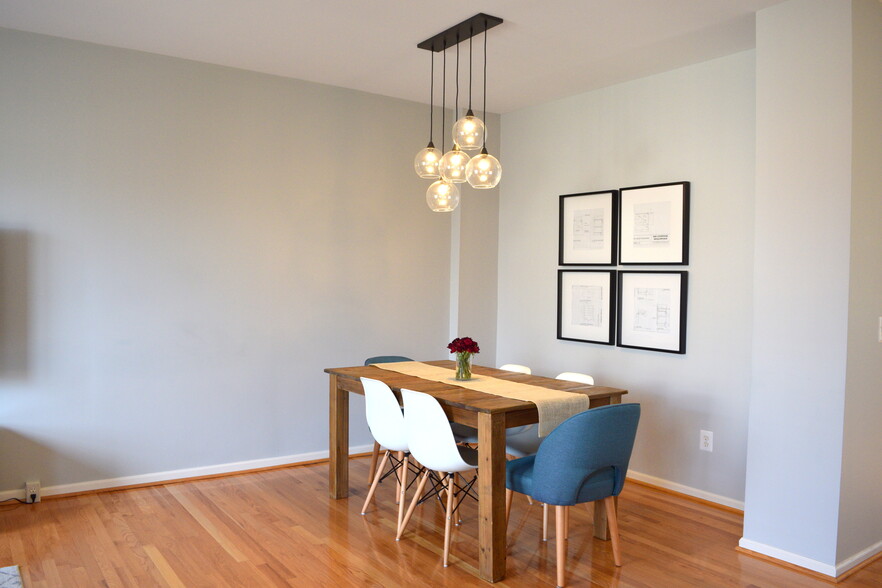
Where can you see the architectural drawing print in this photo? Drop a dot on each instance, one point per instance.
(588, 229)
(587, 309)
(652, 224)
(652, 310)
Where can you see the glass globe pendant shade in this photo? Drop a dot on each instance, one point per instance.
(483, 171)
(427, 162)
(453, 165)
(468, 132)
(442, 196)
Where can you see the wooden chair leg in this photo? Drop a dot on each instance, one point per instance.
(567, 522)
(376, 481)
(544, 522)
(375, 455)
(560, 518)
(447, 521)
(398, 478)
(402, 491)
(611, 517)
(413, 503)
(508, 496)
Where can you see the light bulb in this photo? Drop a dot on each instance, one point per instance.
(483, 171)
(453, 165)
(468, 132)
(442, 196)
(427, 161)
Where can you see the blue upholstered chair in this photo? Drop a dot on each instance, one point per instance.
(375, 454)
(583, 460)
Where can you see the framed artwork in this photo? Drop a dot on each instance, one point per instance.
(588, 228)
(654, 224)
(586, 302)
(652, 310)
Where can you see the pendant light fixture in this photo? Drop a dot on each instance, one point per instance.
(453, 163)
(469, 132)
(443, 195)
(427, 161)
(484, 171)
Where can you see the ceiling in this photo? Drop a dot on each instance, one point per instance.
(544, 50)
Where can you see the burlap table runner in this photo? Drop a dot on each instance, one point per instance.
(555, 406)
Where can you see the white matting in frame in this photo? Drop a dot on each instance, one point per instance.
(586, 305)
(654, 224)
(588, 228)
(652, 310)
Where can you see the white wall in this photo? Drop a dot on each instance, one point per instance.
(860, 514)
(695, 124)
(185, 247)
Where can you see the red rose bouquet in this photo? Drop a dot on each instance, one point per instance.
(464, 347)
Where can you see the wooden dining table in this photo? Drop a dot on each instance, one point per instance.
(491, 415)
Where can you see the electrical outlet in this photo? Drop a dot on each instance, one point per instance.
(32, 491)
(706, 441)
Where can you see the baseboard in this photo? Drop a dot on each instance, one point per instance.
(857, 559)
(168, 476)
(687, 490)
(788, 557)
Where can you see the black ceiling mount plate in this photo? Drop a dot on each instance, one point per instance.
(461, 32)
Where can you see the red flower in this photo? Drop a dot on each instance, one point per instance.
(464, 345)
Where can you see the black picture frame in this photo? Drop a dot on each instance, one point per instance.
(588, 228)
(586, 306)
(654, 224)
(651, 312)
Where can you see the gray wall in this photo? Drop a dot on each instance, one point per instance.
(185, 247)
(860, 514)
(695, 124)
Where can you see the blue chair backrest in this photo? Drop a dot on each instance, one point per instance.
(386, 359)
(595, 442)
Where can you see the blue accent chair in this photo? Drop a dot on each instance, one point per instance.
(375, 454)
(584, 459)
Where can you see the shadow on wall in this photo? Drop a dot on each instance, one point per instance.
(25, 459)
(15, 284)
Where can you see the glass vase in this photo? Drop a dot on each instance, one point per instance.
(463, 366)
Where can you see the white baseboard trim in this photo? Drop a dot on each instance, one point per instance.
(158, 477)
(858, 558)
(786, 556)
(688, 490)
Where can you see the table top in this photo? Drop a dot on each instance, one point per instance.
(463, 398)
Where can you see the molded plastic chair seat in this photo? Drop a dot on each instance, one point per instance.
(584, 459)
(513, 367)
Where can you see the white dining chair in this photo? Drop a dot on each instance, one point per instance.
(513, 367)
(386, 423)
(375, 453)
(432, 444)
(576, 377)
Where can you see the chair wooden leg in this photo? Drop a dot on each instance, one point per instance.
(611, 517)
(402, 492)
(560, 518)
(544, 522)
(567, 522)
(413, 503)
(508, 496)
(375, 455)
(377, 476)
(448, 518)
(398, 478)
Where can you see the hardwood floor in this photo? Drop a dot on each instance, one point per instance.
(279, 528)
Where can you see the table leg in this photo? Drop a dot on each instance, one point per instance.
(338, 442)
(601, 522)
(491, 496)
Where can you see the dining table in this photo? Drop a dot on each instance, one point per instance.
(490, 414)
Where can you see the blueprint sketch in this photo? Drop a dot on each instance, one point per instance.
(588, 229)
(652, 224)
(652, 310)
(587, 306)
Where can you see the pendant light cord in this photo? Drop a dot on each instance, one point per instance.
(431, 95)
(471, 34)
(485, 85)
(443, 97)
(456, 104)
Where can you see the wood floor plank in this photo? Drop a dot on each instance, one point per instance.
(279, 528)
